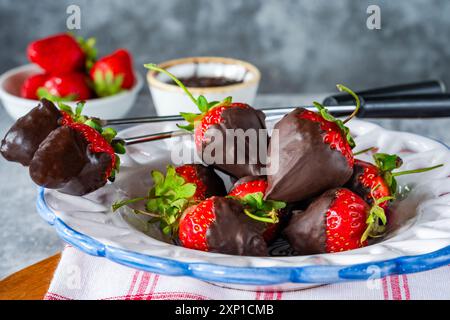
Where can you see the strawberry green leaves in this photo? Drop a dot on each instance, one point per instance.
(43, 93)
(201, 102)
(166, 200)
(259, 209)
(106, 83)
(89, 49)
(386, 163)
(376, 215)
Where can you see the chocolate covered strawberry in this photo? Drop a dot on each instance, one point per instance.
(223, 133)
(23, 139)
(312, 153)
(338, 220)
(219, 225)
(171, 194)
(65, 87)
(113, 73)
(78, 157)
(57, 54)
(30, 86)
(375, 181)
(250, 191)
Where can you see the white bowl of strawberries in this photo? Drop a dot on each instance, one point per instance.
(65, 69)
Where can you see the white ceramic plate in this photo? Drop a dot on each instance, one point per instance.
(419, 236)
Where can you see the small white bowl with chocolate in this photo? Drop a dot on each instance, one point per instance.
(214, 77)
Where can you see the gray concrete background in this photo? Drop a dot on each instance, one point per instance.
(300, 46)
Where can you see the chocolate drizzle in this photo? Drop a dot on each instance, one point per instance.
(23, 139)
(306, 229)
(237, 118)
(232, 232)
(307, 165)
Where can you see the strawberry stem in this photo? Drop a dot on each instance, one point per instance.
(363, 151)
(401, 173)
(154, 67)
(262, 219)
(354, 95)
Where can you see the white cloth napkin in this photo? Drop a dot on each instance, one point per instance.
(80, 276)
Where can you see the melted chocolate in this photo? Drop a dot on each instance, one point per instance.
(214, 184)
(306, 229)
(64, 162)
(233, 232)
(23, 139)
(237, 118)
(204, 82)
(307, 166)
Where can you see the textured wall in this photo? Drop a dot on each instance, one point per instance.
(299, 45)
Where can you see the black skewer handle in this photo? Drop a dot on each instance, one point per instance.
(419, 88)
(406, 106)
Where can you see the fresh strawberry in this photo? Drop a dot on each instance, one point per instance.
(338, 220)
(181, 188)
(312, 153)
(250, 191)
(57, 54)
(65, 87)
(32, 84)
(219, 225)
(376, 181)
(216, 118)
(113, 73)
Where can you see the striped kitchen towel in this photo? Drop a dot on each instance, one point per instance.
(80, 276)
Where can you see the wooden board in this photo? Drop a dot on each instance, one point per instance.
(30, 283)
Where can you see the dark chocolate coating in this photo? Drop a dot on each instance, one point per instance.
(306, 229)
(23, 139)
(237, 118)
(307, 166)
(355, 185)
(64, 162)
(214, 184)
(60, 157)
(233, 232)
(91, 177)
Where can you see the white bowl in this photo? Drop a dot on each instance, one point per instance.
(169, 99)
(418, 238)
(115, 106)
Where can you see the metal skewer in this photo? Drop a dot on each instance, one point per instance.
(270, 112)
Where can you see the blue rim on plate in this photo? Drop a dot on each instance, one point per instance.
(243, 275)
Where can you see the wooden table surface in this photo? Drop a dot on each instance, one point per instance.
(30, 283)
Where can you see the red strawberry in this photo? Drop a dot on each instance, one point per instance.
(57, 54)
(32, 84)
(377, 181)
(333, 222)
(219, 118)
(250, 191)
(219, 225)
(113, 73)
(66, 87)
(312, 153)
